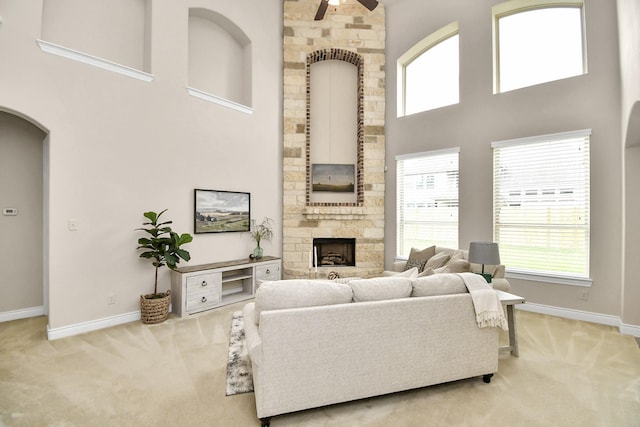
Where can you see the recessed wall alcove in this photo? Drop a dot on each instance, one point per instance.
(334, 120)
(114, 35)
(220, 66)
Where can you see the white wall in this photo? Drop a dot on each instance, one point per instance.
(588, 101)
(120, 146)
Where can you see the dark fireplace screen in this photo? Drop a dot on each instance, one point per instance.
(335, 252)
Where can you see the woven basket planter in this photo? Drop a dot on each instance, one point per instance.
(154, 310)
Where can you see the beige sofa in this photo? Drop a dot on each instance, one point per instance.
(315, 343)
(497, 272)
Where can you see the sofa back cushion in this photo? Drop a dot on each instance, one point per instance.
(438, 284)
(297, 293)
(381, 288)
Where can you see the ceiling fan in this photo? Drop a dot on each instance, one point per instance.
(324, 4)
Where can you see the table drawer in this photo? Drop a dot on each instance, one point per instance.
(268, 272)
(202, 300)
(203, 282)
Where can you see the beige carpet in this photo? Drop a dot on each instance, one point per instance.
(569, 373)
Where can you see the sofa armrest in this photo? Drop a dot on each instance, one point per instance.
(398, 266)
(500, 283)
(252, 334)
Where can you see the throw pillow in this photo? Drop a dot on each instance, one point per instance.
(418, 258)
(293, 293)
(437, 261)
(438, 284)
(459, 266)
(381, 288)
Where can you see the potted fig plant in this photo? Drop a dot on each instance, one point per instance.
(162, 247)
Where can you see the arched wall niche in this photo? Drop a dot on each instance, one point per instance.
(219, 57)
(356, 60)
(117, 30)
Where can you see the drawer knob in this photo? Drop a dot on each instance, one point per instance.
(268, 271)
(204, 283)
(204, 299)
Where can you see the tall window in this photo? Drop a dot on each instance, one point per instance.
(539, 43)
(427, 205)
(541, 204)
(428, 73)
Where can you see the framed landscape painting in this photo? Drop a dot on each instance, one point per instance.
(333, 177)
(221, 211)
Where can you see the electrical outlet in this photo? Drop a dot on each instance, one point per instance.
(111, 299)
(584, 295)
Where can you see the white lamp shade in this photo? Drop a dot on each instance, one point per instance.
(485, 253)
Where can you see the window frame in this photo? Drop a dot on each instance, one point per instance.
(399, 182)
(513, 7)
(539, 275)
(413, 53)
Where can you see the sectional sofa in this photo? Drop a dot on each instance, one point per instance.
(314, 343)
(439, 259)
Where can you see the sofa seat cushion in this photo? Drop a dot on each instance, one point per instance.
(296, 293)
(438, 284)
(381, 288)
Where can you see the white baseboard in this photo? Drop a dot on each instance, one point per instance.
(21, 314)
(629, 329)
(586, 316)
(93, 325)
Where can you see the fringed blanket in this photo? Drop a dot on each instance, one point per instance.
(489, 311)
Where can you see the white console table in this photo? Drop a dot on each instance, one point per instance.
(203, 287)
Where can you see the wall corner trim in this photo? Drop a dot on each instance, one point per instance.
(218, 100)
(92, 325)
(21, 314)
(585, 316)
(75, 55)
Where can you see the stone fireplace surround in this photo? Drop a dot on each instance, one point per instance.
(348, 32)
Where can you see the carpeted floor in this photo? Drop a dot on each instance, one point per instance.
(569, 373)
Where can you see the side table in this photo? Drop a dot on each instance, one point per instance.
(509, 300)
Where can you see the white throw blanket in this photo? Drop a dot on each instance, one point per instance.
(489, 311)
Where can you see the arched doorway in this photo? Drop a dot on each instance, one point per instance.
(23, 166)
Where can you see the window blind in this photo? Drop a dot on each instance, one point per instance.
(541, 203)
(427, 200)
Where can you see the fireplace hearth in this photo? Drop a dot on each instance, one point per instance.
(335, 252)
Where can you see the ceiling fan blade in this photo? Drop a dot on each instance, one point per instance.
(369, 4)
(321, 9)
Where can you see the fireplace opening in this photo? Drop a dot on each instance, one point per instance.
(335, 252)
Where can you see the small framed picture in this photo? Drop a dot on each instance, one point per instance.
(333, 177)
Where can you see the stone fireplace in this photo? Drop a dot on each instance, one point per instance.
(351, 34)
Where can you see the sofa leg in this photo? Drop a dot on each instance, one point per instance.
(265, 421)
(487, 378)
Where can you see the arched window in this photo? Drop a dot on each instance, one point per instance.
(537, 42)
(428, 73)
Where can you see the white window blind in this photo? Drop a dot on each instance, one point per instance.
(541, 204)
(427, 200)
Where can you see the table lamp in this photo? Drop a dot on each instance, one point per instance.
(484, 253)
